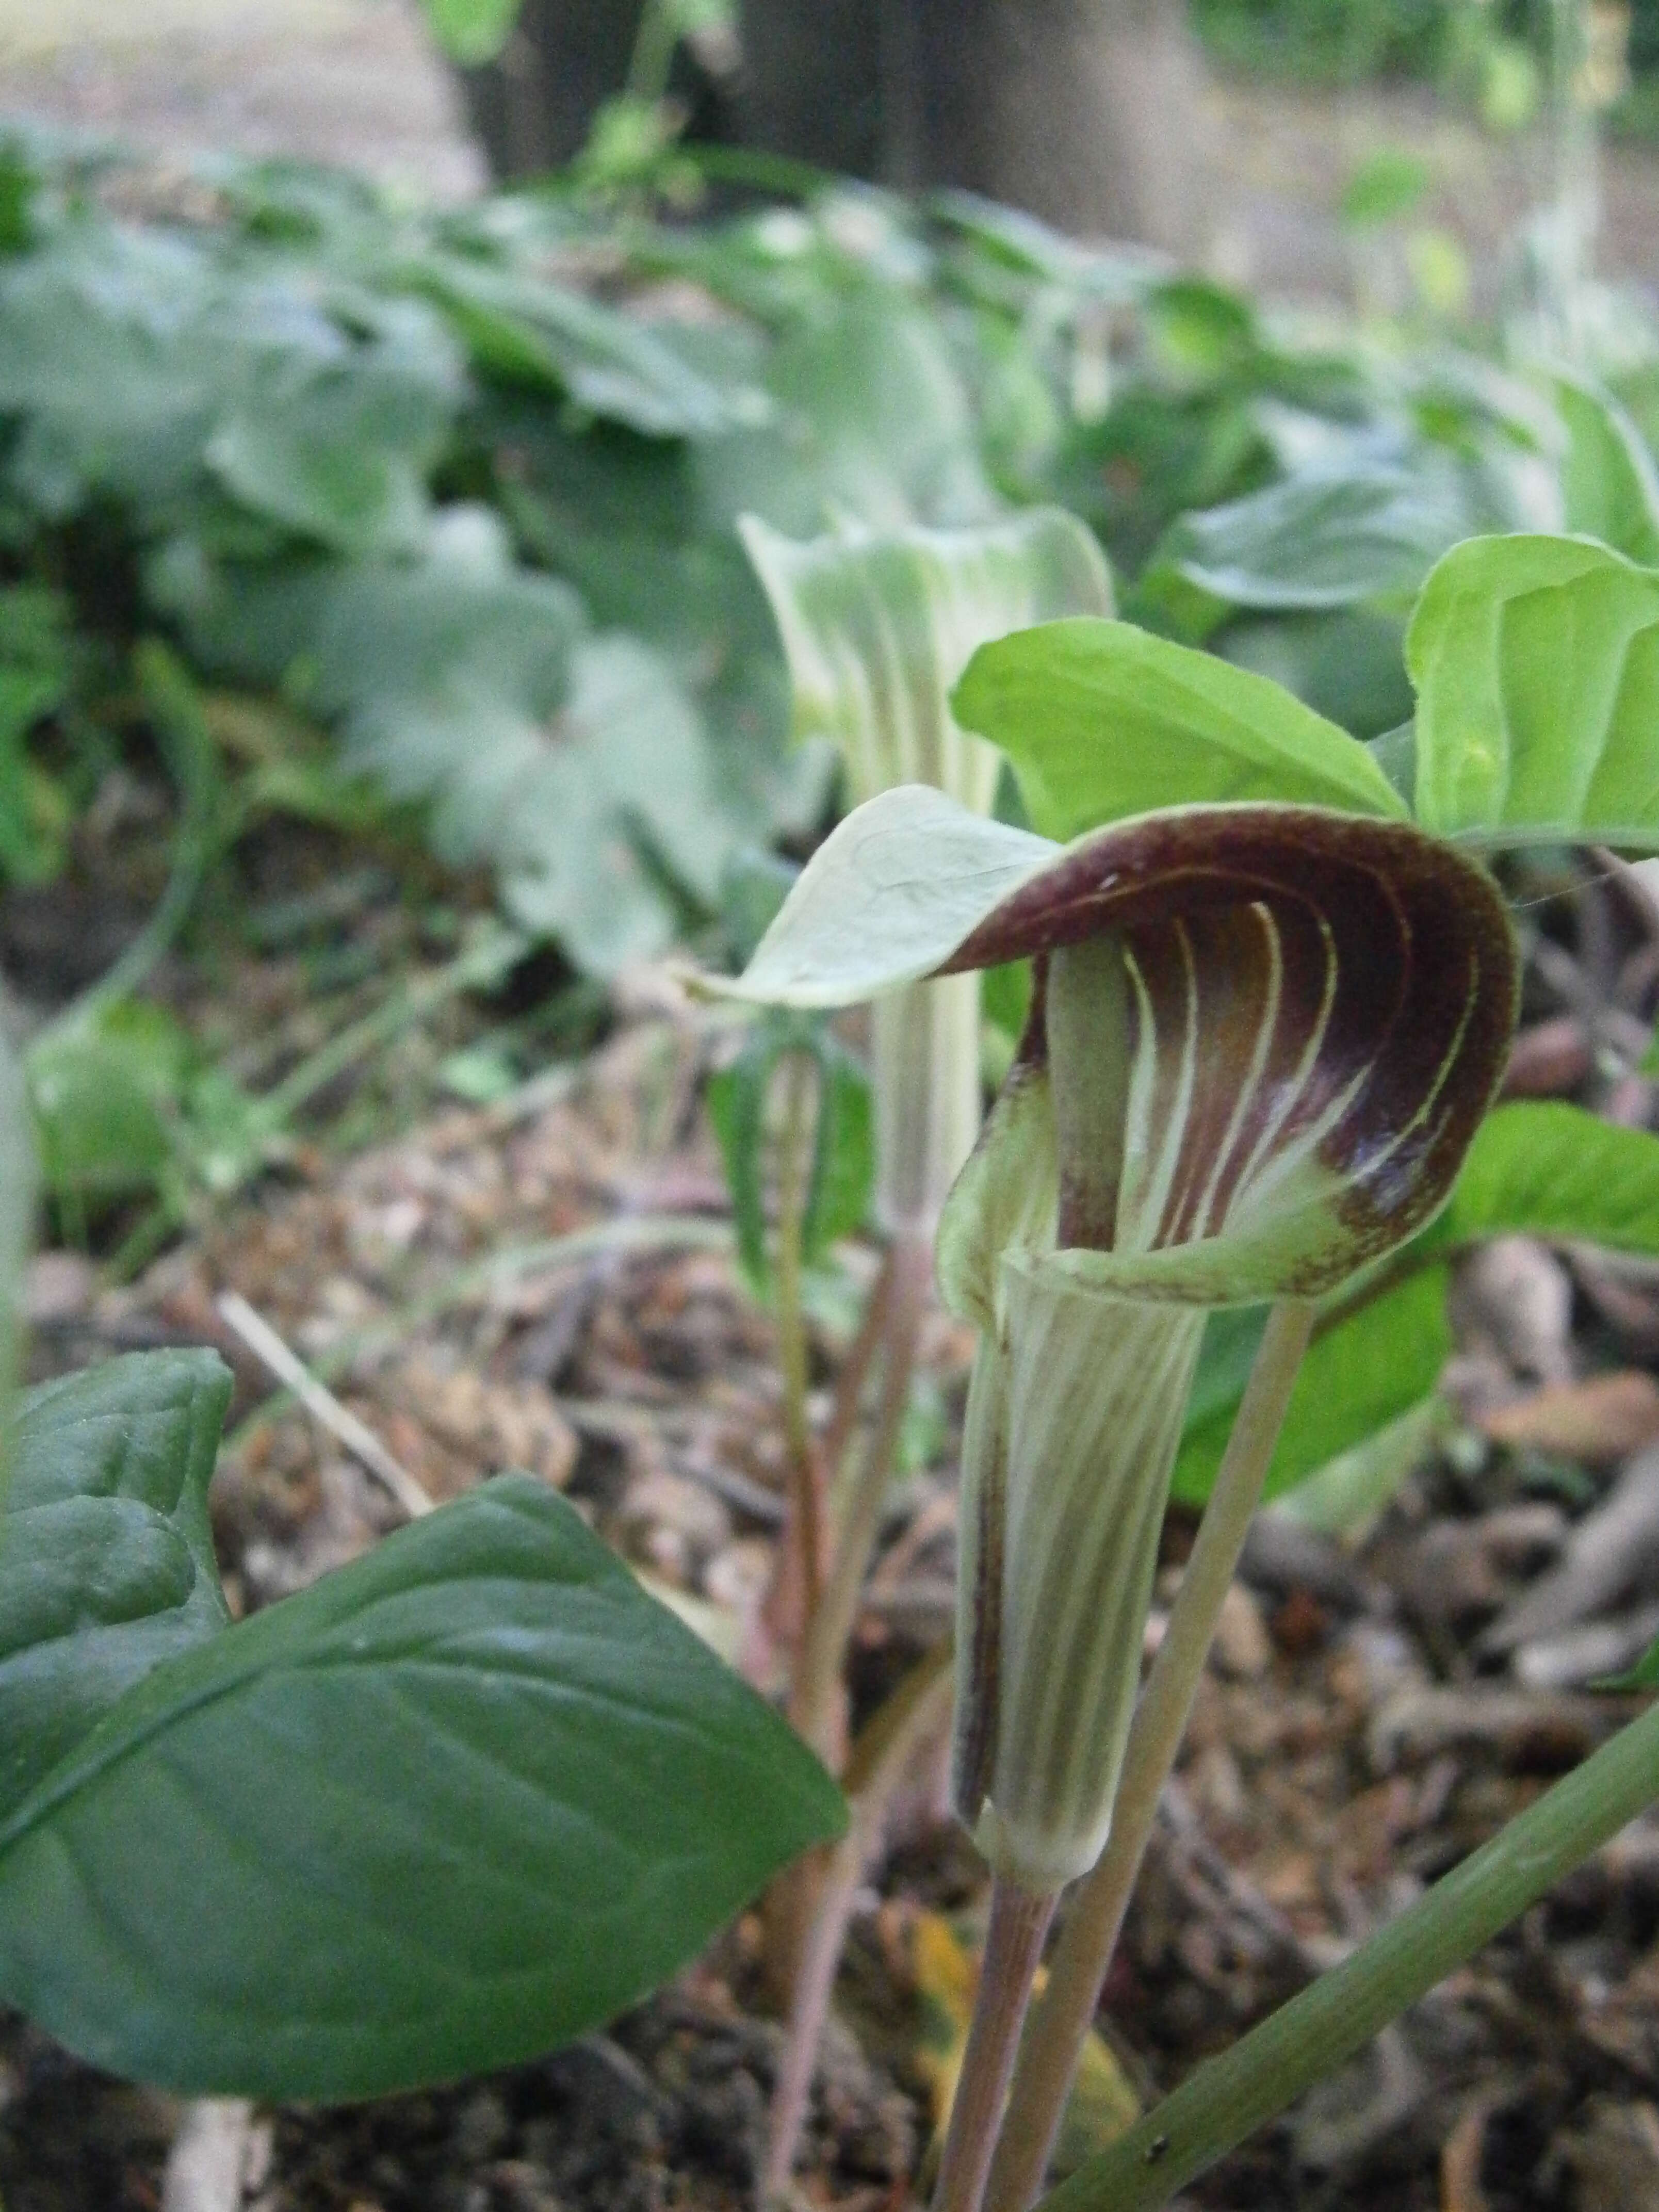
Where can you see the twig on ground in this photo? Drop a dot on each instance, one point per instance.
(321, 1402)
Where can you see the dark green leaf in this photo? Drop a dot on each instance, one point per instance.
(107, 1562)
(453, 1804)
(616, 366)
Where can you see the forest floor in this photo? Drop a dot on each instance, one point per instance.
(547, 1281)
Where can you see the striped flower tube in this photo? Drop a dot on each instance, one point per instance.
(1262, 1039)
(877, 628)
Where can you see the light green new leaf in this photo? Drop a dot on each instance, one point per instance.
(107, 1563)
(1536, 666)
(1609, 486)
(1554, 1171)
(1101, 721)
(452, 1805)
(878, 628)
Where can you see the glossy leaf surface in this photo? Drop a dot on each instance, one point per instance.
(1101, 721)
(107, 1563)
(459, 1801)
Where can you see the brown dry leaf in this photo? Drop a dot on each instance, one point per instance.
(1603, 1418)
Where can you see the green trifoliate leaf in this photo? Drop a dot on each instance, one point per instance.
(456, 1802)
(1536, 666)
(107, 1563)
(877, 628)
(1103, 721)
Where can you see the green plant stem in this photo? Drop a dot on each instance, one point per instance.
(653, 57)
(814, 1705)
(1013, 1948)
(876, 1762)
(1227, 2099)
(855, 1369)
(1049, 2059)
(799, 1074)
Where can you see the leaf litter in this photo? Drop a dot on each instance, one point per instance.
(549, 1280)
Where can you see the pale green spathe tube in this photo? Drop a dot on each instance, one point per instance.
(1074, 1417)
(877, 627)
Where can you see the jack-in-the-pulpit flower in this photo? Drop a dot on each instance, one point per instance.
(878, 626)
(1261, 1039)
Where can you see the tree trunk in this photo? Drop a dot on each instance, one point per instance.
(1086, 113)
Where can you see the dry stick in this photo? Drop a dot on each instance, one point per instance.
(1089, 1937)
(875, 1766)
(812, 1706)
(321, 1402)
(1013, 1948)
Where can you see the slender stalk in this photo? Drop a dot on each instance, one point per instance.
(799, 1074)
(1223, 2101)
(1013, 1948)
(876, 1763)
(814, 1703)
(1092, 1925)
(653, 57)
(855, 1368)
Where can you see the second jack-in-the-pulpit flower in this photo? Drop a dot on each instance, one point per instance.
(1260, 1039)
